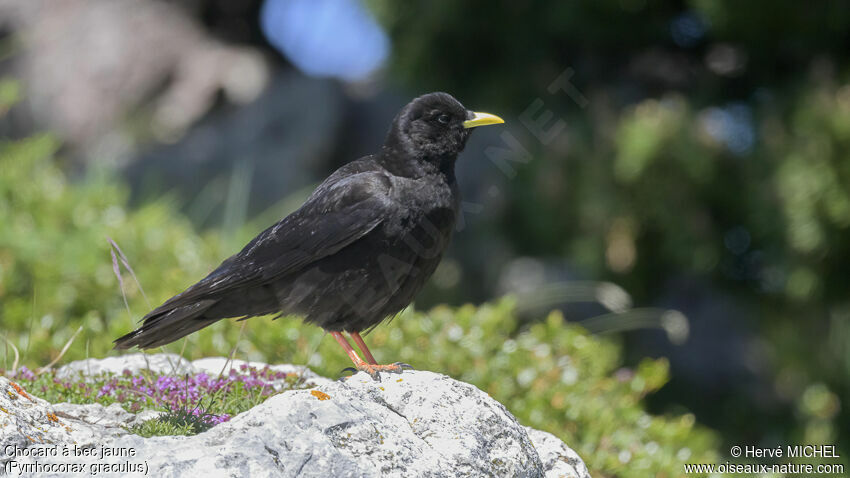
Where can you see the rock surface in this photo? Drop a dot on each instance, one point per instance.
(557, 458)
(176, 365)
(413, 424)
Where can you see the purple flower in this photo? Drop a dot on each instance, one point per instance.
(106, 389)
(217, 419)
(24, 373)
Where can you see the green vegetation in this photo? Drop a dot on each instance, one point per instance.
(173, 422)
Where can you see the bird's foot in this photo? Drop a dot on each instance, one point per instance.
(374, 370)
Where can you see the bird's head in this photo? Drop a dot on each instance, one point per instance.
(434, 127)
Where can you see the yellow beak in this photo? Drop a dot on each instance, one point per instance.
(482, 119)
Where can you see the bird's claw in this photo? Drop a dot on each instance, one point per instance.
(347, 369)
(375, 370)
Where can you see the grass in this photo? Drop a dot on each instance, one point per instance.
(182, 420)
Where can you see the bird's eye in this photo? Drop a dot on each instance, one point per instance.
(443, 119)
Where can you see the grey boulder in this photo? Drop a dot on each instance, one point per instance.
(412, 424)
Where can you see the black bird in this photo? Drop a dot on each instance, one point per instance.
(355, 253)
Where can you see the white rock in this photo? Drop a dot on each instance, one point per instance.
(559, 460)
(29, 424)
(158, 363)
(412, 424)
(222, 365)
(114, 416)
(173, 364)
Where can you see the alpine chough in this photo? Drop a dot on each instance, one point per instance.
(355, 253)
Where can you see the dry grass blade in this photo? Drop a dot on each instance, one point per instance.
(126, 264)
(117, 270)
(233, 350)
(61, 352)
(14, 349)
(32, 321)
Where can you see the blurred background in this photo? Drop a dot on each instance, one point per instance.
(674, 176)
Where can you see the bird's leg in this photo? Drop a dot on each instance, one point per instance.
(347, 347)
(363, 348)
(359, 364)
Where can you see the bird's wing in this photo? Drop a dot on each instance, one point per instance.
(342, 210)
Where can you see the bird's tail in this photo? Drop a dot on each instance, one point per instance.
(168, 323)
